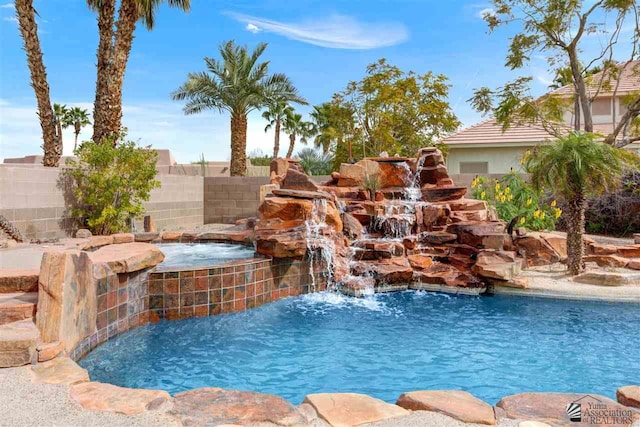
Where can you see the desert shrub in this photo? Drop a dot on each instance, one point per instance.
(616, 212)
(314, 162)
(259, 158)
(111, 181)
(512, 197)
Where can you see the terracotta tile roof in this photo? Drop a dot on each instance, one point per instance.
(629, 82)
(489, 132)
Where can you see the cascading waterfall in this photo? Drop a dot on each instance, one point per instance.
(413, 192)
(397, 221)
(320, 247)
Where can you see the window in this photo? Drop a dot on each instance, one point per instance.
(474, 167)
(601, 107)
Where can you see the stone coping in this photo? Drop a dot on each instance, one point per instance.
(542, 293)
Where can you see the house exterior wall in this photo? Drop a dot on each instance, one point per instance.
(500, 159)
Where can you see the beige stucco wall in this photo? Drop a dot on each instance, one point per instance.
(500, 159)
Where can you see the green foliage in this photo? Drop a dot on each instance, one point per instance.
(315, 163)
(513, 197)
(388, 110)
(371, 183)
(576, 166)
(111, 182)
(204, 165)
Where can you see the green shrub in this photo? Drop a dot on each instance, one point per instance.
(111, 181)
(314, 162)
(512, 197)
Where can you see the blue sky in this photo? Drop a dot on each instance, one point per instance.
(320, 45)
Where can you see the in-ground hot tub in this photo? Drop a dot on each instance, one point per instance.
(201, 254)
(385, 345)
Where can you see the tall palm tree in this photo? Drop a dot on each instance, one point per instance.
(237, 84)
(116, 39)
(573, 168)
(275, 114)
(78, 118)
(60, 118)
(29, 29)
(295, 126)
(325, 133)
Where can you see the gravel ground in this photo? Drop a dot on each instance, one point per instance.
(46, 405)
(433, 419)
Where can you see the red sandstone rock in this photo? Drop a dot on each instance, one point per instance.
(123, 238)
(467, 205)
(97, 241)
(502, 265)
(18, 343)
(631, 251)
(278, 169)
(445, 274)
(456, 404)
(128, 257)
(634, 264)
(601, 249)
(61, 370)
(516, 282)
(96, 396)
(420, 262)
(18, 306)
(303, 194)
(551, 407)
(607, 260)
(434, 215)
(395, 270)
(537, 250)
(373, 250)
(216, 406)
(432, 156)
(350, 409)
(19, 280)
(410, 242)
(472, 233)
(296, 180)
(294, 209)
(148, 237)
(432, 174)
(284, 245)
(462, 216)
(351, 227)
(358, 286)
(50, 351)
(171, 235)
(436, 237)
(440, 194)
(394, 175)
(629, 396)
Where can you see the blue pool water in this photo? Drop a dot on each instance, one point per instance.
(201, 254)
(385, 345)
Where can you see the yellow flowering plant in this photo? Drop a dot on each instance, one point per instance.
(512, 197)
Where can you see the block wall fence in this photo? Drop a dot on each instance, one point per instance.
(34, 200)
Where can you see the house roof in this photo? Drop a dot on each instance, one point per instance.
(629, 81)
(490, 132)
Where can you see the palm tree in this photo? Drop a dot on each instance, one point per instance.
(573, 168)
(296, 127)
(116, 39)
(237, 84)
(29, 29)
(59, 117)
(275, 114)
(78, 118)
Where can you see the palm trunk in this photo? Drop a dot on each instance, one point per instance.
(575, 229)
(29, 29)
(102, 103)
(276, 139)
(75, 143)
(238, 144)
(292, 142)
(77, 129)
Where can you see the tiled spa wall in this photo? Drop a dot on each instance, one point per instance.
(126, 301)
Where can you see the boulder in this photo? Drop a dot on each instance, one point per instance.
(516, 282)
(537, 250)
(303, 194)
(634, 264)
(394, 174)
(96, 396)
(128, 257)
(432, 174)
(430, 156)
(61, 370)
(147, 236)
(18, 342)
(441, 194)
(351, 409)
(354, 175)
(18, 280)
(608, 278)
(373, 250)
(123, 238)
(502, 265)
(394, 270)
(447, 275)
(551, 408)
(49, 351)
(607, 260)
(436, 237)
(278, 169)
(283, 245)
(97, 241)
(557, 242)
(433, 214)
(171, 236)
(296, 180)
(288, 209)
(420, 262)
(358, 286)
(630, 251)
(83, 233)
(471, 233)
(456, 404)
(461, 216)
(467, 205)
(602, 249)
(216, 406)
(351, 227)
(67, 300)
(629, 396)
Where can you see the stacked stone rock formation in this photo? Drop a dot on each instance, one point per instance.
(392, 223)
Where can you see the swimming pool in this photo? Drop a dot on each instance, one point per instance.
(201, 254)
(385, 345)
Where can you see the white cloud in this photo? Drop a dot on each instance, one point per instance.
(10, 19)
(335, 31)
(488, 11)
(252, 28)
(7, 6)
(161, 125)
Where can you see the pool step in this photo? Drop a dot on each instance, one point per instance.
(18, 280)
(18, 342)
(17, 306)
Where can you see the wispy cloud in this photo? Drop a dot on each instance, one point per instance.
(487, 11)
(335, 31)
(7, 6)
(10, 19)
(252, 28)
